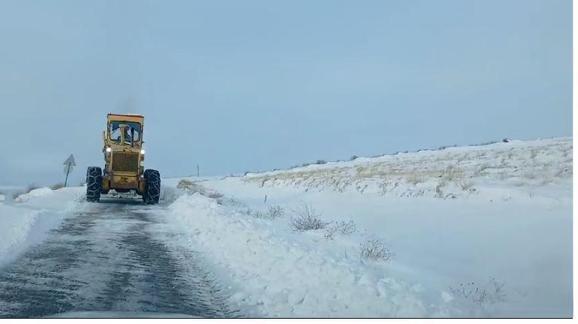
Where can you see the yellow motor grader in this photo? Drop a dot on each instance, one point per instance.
(124, 162)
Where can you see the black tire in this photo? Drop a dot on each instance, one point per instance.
(93, 184)
(152, 191)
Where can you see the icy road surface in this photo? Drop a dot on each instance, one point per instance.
(108, 257)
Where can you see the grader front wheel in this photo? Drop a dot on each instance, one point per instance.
(152, 191)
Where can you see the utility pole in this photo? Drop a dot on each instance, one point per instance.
(198, 171)
(68, 166)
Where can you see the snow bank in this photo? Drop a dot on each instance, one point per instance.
(275, 275)
(438, 244)
(35, 193)
(15, 225)
(26, 221)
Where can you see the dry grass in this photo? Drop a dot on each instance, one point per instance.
(434, 172)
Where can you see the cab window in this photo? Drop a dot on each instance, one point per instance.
(132, 131)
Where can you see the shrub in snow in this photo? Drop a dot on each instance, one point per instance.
(347, 228)
(490, 293)
(342, 227)
(307, 219)
(275, 211)
(353, 157)
(272, 212)
(321, 162)
(375, 250)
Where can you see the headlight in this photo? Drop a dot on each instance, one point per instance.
(108, 150)
(142, 151)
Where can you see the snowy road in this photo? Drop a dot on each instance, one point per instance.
(108, 258)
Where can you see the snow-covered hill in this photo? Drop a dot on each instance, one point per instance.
(445, 173)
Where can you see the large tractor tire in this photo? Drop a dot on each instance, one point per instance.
(93, 184)
(152, 191)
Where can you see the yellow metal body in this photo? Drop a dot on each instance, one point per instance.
(123, 153)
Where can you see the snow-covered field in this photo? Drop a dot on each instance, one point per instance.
(467, 231)
(482, 231)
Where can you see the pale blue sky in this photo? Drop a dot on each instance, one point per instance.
(254, 85)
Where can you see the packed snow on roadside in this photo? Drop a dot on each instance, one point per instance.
(460, 232)
(26, 220)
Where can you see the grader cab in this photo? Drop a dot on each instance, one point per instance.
(124, 162)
